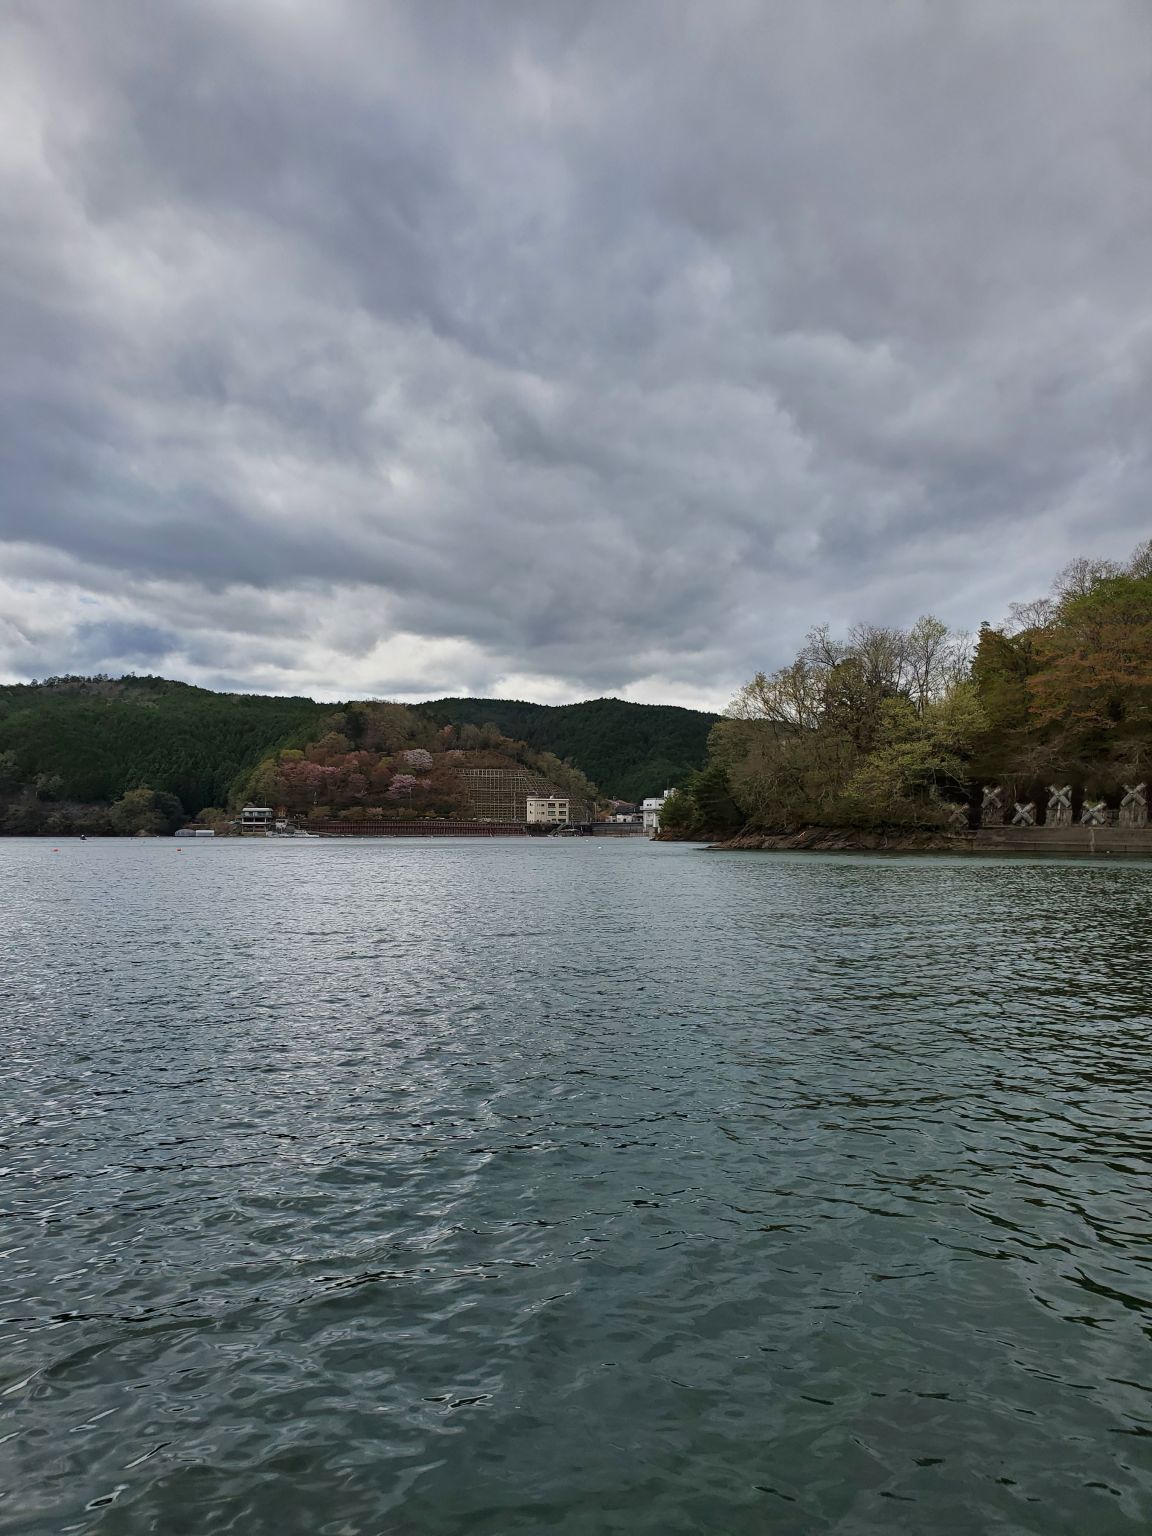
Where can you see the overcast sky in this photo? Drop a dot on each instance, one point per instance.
(549, 349)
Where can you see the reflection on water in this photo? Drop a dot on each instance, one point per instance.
(502, 1187)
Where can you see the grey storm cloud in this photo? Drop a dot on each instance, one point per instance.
(366, 346)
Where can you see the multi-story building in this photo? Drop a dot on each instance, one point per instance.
(552, 809)
(651, 809)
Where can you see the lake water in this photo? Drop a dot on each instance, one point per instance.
(501, 1187)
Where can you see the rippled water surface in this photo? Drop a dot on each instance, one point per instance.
(582, 1186)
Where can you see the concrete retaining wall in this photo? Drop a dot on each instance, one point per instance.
(1064, 840)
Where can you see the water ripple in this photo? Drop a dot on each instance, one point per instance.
(503, 1187)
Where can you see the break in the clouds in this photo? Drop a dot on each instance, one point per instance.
(359, 346)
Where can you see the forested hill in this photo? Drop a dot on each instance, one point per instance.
(629, 750)
(91, 740)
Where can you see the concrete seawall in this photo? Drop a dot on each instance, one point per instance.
(1082, 841)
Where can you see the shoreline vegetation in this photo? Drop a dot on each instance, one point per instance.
(883, 738)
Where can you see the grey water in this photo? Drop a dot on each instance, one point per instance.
(573, 1186)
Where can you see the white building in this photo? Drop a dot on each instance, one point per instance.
(548, 808)
(254, 817)
(651, 808)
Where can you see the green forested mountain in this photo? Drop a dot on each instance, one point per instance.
(74, 742)
(90, 740)
(629, 750)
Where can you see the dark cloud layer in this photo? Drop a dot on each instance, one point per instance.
(354, 346)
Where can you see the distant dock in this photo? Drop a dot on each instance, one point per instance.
(380, 827)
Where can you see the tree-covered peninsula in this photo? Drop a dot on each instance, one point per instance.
(889, 728)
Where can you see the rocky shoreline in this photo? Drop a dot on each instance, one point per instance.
(1032, 842)
(845, 840)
